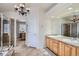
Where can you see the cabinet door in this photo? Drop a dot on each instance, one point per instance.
(73, 51)
(67, 50)
(47, 42)
(61, 49)
(77, 51)
(50, 44)
(55, 46)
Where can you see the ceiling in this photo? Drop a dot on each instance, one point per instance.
(10, 6)
(63, 10)
(52, 9)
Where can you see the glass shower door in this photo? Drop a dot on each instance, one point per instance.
(0, 34)
(6, 35)
(6, 38)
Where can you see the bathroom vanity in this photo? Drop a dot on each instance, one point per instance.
(62, 45)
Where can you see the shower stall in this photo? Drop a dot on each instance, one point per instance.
(6, 35)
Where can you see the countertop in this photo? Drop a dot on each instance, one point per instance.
(68, 40)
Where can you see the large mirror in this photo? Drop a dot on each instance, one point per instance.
(0, 34)
(70, 28)
(6, 34)
(6, 31)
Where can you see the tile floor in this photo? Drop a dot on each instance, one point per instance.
(22, 50)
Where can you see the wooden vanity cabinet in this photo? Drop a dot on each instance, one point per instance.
(61, 48)
(70, 50)
(52, 45)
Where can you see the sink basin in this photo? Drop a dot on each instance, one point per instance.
(75, 41)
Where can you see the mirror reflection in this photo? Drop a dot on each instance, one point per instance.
(5, 34)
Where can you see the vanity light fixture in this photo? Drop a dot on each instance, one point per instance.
(21, 9)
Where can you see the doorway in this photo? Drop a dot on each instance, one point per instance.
(20, 32)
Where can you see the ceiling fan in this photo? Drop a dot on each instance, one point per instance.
(75, 18)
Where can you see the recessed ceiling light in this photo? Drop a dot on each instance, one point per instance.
(76, 10)
(52, 16)
(58, 17)
(70, 8)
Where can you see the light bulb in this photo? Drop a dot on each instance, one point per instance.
(15, 6)
(27, 8)
(70, 8)
(21, 5)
